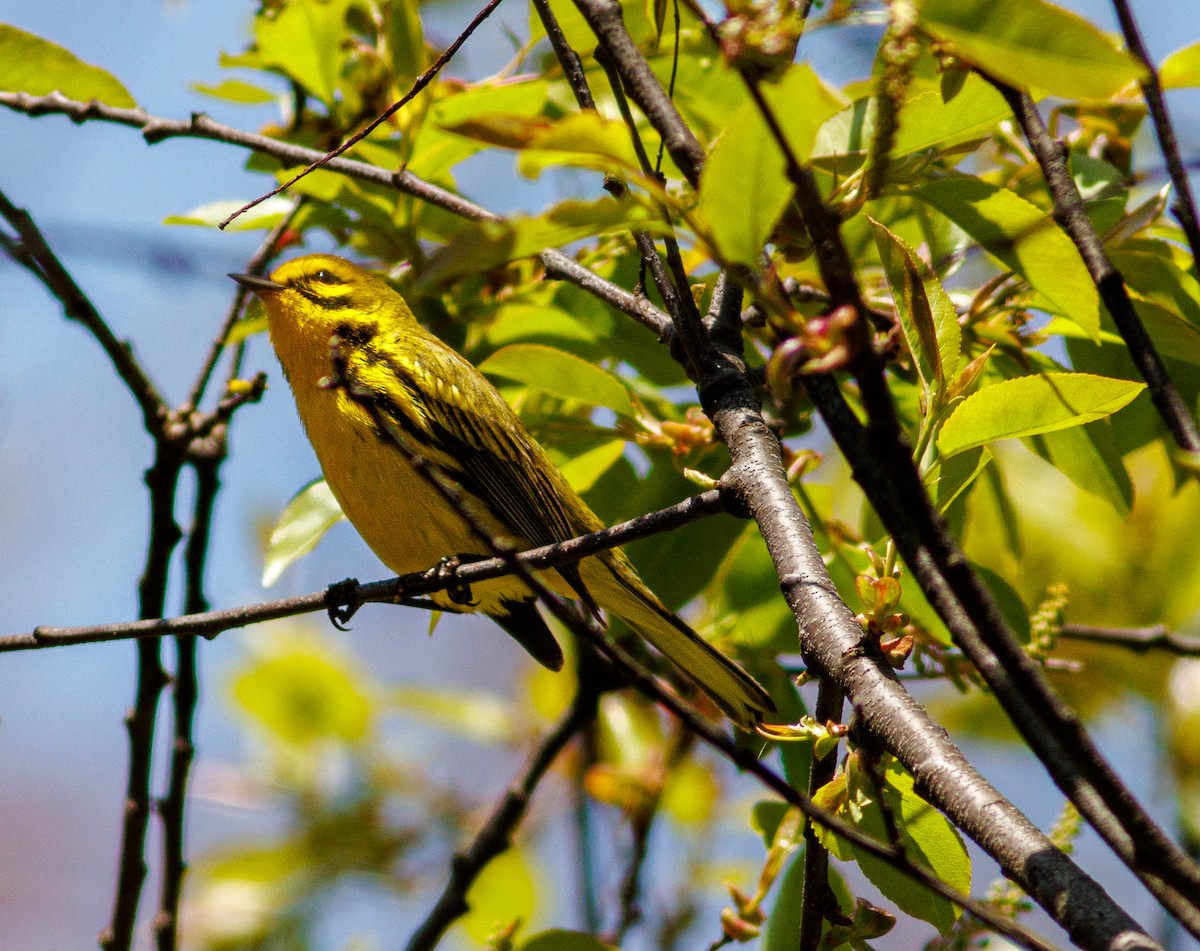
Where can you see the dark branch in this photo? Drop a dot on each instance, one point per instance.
(1069, 212)
(1137, 639)
(1184, 206)
(496, 836)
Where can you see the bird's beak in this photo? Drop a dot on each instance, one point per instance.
(259, 285)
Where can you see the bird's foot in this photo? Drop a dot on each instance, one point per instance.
(456, 591)
(341, 602)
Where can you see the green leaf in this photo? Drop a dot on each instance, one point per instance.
(503, 892)
(929, 840)
(744, 188)
(584, 470)
(38, 67)
(1030, 405)
(303, 522)
(304, 695)
(1181, 68)
(561, 374)
(303, 39)
(406, 41)
(266, 214)
(1031, 44)
(559, 939)
(947, 478)
(580, 140)
(483, 717)
(488, 244)
(235, 90)
(1024, 238)
(926, 314)
(765, 816)
(927, 121)
(1088, 456)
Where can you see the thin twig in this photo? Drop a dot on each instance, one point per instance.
(185, 693)
(568, 59)
(1137, 639)
(156, 129)
(33, 253)
(1070, 213)
(211, 623)
(1184, 205)
(257, 265)
(818, 903)
(163, 481)
(421, 82)
(497, 834)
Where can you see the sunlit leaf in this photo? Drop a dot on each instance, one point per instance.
(581, 140)
(1031, 44)
(303, 695)
(560, 373)
(1022, 237)
(32, 65)
(486, 244)
(503, 892)
(406, 41)
(1030, 405)
(926, 314)
(303, 39)
(267, 214)
(235, 90)
(929, 839)
(1181, 68)
(744, 188)
(302, 524)
(584, 470)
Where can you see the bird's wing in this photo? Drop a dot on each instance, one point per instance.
(487, 449)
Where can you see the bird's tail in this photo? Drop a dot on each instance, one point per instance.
(619, 591)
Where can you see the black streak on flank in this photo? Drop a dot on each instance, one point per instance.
(357, 335)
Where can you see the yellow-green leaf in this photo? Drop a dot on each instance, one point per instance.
(1032, 44)
(1030, 405)
(303, 522)
(744, 188)
(558, 939)
(1181, 68)
(38, 67)
(303, 39)
(483, 717)
(926, 313)
(235, 90)
(1024, 238)
(503, 893)
(585, 470)
(304, 695)
(582, 140)
(561, 374)
(266, 214)
(488, 244)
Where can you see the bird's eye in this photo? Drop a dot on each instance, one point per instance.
(325, 277)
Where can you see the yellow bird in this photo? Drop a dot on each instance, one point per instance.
(452, 416)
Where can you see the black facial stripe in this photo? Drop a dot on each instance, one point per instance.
(326, 301)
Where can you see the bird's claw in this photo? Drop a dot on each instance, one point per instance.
(341, 602)
(456, 591)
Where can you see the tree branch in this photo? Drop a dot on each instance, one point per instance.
(1137, 639)
(1071, 214)
(31, 251)
(1184, 206)
(211, 623)
(496, 835)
